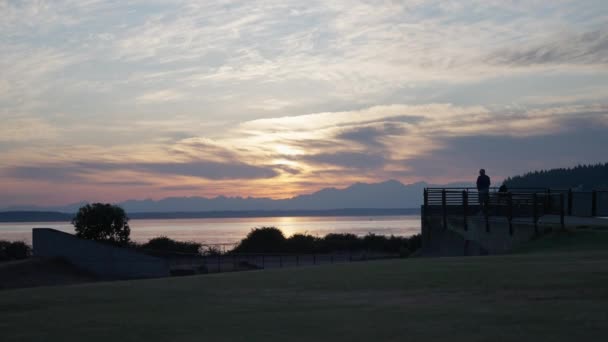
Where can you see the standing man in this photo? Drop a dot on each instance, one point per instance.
(483, 187)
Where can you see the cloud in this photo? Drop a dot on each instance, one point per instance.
(27, 130)
(159, 96)
(278, 97)
(588, 49)
(581, 140)
(348, 160)
(49, 173)
(209, 170)
(87, 171)
(371, 136)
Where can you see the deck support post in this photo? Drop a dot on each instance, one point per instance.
(561, 211)
(510, 212)
(444, 209)
(535, 212)
(570, 202)
(593, 203)
(465, 208)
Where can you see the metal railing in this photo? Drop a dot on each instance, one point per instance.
(520, 202)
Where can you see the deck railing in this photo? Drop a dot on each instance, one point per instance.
(516, 203)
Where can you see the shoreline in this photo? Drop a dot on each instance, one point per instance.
(45, 216)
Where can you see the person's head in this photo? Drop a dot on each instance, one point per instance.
(482, 172)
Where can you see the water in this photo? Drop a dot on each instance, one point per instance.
(231, 230)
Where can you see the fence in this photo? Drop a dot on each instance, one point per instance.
(530, 203)
(184, 263)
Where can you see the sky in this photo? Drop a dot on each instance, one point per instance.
(115, 100)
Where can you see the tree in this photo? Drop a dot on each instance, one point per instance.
(162, 245)
(262, 240)
(102, 222)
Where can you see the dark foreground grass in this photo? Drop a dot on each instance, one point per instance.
(532, 297)
(573, 240)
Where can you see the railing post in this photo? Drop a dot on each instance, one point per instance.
(510, 212)
(219, 263)
(547, 204)
(465, 206)
(593, 203)
(424, 210)
(570, 202)
(561, 210)
(444, 209)
(535, 212)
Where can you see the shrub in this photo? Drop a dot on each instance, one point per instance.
(262, 240)
(302, 243)
(272, 240)
(392, 244)
(164, 245)
(334, 242)
(211, 251)
(414, 242)
(14, 250)
(102, 222)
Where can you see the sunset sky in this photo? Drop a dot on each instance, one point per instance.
(116, 100)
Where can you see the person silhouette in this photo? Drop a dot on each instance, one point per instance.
(483, 187)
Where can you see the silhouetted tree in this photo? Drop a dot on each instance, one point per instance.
(163, 245)
(262, 240)
(302, 243)
(102, 222)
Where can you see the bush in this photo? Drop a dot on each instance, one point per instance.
(14, 250)
(341, 243)
(164, 245)
(414, 242)
(102, 222)
(262, 240)
(302, 243)
(211, 251)
(272, 240)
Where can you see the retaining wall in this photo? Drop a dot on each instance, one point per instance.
(101, 259)
(477, 239)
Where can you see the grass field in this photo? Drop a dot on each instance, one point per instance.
(546, 294)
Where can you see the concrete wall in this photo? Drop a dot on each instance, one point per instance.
(97, 258)
(454, 240)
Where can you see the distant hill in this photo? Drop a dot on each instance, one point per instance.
(385, 195)
(34, 216)
(390, 194)
(584, 177)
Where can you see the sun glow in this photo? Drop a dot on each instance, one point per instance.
(287, 150)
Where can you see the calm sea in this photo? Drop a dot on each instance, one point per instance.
(231, 230)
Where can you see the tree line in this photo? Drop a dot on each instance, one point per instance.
(580, 177)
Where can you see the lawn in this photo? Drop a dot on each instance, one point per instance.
(549, 295)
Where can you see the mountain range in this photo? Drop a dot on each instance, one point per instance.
(384, 195)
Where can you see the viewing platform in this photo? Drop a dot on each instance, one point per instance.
(455, 221)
